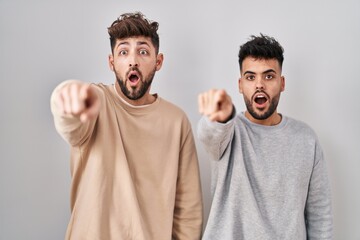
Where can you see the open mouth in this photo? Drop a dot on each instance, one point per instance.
(133, 77)
(260, 98)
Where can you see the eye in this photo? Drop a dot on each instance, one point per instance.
(122, 52)
(250, 77)
(143, 52)
(269, 77)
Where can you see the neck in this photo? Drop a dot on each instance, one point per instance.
(274, 119)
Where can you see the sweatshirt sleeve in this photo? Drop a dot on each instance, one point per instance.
(318, 209)
(188, 212)
(215, 136)
(70, 128)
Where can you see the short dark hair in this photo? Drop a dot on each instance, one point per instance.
(133, 25)
(261, 47)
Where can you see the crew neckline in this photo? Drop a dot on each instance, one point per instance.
(281, 124)
(142, 109)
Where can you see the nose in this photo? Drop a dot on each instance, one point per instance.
(133, 62)
(133, 65)
(259, 84)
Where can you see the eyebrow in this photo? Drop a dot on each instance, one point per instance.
(267, 71)
(143, 43)
(137, 43)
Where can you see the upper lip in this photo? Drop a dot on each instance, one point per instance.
(260, 94)
(133, 72)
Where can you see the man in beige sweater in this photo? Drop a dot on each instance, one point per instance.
(134, 166)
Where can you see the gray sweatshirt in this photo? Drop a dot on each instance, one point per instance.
(268, 182)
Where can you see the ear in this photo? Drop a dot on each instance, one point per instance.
(240, 87)
(282, 83)
(111, 62)
(159, 61)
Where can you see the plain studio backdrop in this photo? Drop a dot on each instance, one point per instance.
(45, 42)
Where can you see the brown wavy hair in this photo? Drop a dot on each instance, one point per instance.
(133, 25)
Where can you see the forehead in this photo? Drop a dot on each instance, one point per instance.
(134, 42)
(259, 65)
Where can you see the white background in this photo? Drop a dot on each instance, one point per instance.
(45, 42)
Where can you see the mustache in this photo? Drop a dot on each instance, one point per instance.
(134, 69)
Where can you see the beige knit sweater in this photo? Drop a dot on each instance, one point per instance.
(135, 172)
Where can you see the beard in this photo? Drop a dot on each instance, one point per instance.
(137, 92)
(262, 115)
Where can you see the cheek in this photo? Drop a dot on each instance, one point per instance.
(245, 89)
(119, 67)
(275, 91)
(149, 67)
(241, 87)
(119, 72)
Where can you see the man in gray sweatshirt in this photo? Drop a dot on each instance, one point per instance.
(269, 176)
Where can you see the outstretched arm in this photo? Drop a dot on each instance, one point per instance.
(75, 106)
(216, 105)
(215, 129)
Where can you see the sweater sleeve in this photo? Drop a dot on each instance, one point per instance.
(188, 212)
(215, 136)
(318, 210)
(70, 128)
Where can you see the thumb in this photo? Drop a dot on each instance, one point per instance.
(219, 116)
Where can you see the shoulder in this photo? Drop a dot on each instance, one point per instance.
(104, 91)
(300, 128)
(103, 88)
(171, 109)
(173, 113)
